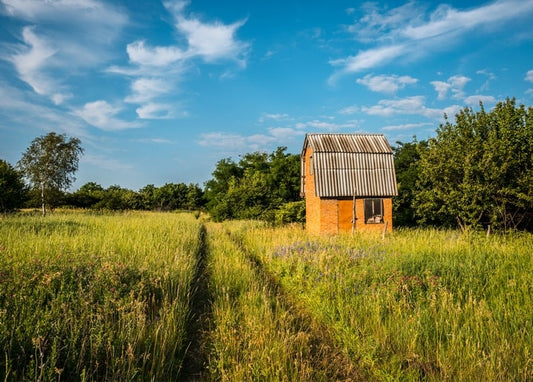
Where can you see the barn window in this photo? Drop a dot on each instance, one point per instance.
(373, 211)
(311, 169)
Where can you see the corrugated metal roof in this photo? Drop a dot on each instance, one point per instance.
(347, 165)
(348, 143)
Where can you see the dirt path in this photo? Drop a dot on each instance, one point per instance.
(200, 306)
(327, 358)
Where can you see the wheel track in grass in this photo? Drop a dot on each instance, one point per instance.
(326, 354)
(201, 314)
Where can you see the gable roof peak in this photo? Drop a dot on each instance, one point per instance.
(347, 143)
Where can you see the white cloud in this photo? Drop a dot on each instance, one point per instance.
(446, 20)
(366, 60)
(145, 89)
(24, 109)
(159, 56)
(285, 133)
(156, 140)
(407, 126)
(101, 114)
(349, 110)
(212, 42)
(29, 62)
(330, 126)
(408, 33)
(65, 35)
(274, 116)
(156, 70)
(485, 72)
(455, 84)
(474, 100)
(441, 88)
(409, 106)
(529, 76)
(386, 84)
(222, 140)
(236, 143)
(388, 107)
(155, 111)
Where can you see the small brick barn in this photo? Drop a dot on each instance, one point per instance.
(348, 181)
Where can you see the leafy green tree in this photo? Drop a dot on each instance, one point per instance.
(195, 197)
(226, 171)
(255, 187)
(147, 196)
(12, 188)
(284, 176)
(291, 212)
(50, 163)
(479, 170)
(117, 198)
(407, 166)
(87, 195)
(171, 196)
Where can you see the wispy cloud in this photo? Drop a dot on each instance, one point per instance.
(407, 126)
(274, 117)
(328, 126)
(349, 110)
(454, 84)
(157, 111)
(273, 136)
(408, 106)
(474, 100)
(159, 56)
(408, 32)
(155, 140)
(529, 76)
(237, 143)
(146, 89)
(156, 71)
(29, 61)
(212, 42)
(388, 84)
(26, 109)
(56, 40)
(102, 115)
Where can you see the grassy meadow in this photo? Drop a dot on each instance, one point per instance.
(170, 296)
(95, 297)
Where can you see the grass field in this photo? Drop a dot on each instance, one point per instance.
(166, 296)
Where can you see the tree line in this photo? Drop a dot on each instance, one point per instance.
(476, 172)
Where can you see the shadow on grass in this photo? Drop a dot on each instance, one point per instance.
(195, 361)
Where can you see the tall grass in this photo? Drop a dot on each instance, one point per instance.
(256, 334)
(95, 297)
(421, 304)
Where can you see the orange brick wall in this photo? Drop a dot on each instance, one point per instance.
(312, 202)
(331, 216)
(387, 216)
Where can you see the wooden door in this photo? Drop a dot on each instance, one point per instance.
(345, 214)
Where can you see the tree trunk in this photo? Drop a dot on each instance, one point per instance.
(42, 199)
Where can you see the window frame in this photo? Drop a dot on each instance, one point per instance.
(373, 210)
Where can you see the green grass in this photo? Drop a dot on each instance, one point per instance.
(254, 336)
(95, 297)
(87, 296)
(421, 304)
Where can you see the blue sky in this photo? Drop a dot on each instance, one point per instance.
(158, 92)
